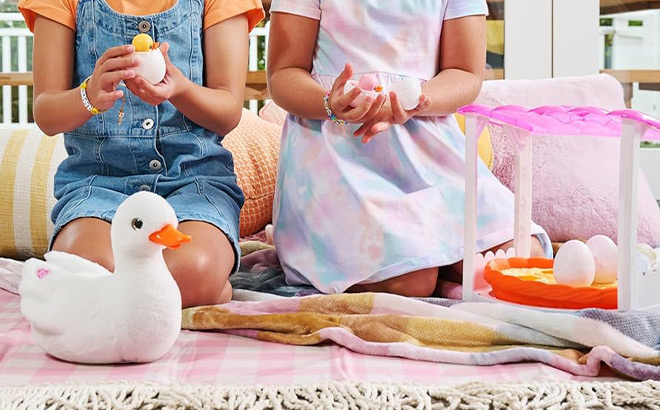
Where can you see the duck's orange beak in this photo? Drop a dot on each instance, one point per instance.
(155, 45)
(170, 237)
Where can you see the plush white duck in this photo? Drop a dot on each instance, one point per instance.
(80, 312)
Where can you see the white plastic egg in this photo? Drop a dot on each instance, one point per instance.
(605, 255)
(574, 265)
(408, 90)
(152, 66)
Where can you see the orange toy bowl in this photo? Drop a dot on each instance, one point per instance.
(532, 293)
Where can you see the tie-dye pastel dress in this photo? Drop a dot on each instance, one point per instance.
(348, 213)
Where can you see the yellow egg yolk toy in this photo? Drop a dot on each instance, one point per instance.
(143, 42)
(152, 63)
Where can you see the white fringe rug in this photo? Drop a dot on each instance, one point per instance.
(130, 396)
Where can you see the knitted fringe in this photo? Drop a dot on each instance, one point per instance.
(345, 395)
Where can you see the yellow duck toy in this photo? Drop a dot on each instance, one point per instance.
(152, 62)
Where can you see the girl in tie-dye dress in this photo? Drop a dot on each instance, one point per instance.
(377, 203)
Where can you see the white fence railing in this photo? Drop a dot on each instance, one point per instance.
(11, 48)
(17, 46)
(256, 50)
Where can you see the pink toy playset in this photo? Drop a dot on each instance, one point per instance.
(597, 274)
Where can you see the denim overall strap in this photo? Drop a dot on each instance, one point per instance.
(99, 28)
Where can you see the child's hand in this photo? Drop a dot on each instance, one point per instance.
(114, 66)
(156, 94)
(390, 114)
(340, 103)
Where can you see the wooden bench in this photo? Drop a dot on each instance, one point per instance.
(648, 80)
(255, 85)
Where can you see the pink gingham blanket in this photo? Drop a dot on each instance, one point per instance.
(223, 359)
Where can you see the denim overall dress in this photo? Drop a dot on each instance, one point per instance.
(155, 148)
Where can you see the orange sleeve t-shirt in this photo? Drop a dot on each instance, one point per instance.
(215, 11)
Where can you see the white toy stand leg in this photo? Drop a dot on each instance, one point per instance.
(628, 277)
(522, 235)
(474, 126)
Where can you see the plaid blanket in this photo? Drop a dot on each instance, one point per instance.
(464, 333)
(440, 330)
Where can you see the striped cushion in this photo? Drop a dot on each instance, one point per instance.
(28, 161)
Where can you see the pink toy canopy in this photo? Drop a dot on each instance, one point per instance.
(563, 120)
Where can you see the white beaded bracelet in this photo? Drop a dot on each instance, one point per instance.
(85, 100)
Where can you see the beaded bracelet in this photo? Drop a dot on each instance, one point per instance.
(332, 116)
(95, 111)
(85, 100)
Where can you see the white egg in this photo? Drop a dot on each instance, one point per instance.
(408, 90)
(574, 265)
(605, 257)
(152, 66)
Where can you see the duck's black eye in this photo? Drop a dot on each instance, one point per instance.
(136, 224)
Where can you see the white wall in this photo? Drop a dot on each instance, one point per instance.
(527, 39)
(649, 161)
(550, 38)
(575, 32)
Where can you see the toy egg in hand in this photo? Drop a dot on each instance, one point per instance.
(152, 62)
(408, 90)
(605, 255)
(574, 265)
(368, 84)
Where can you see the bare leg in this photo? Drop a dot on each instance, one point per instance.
(200, 268)
(424, 283)
(88, 238)
(415, 284)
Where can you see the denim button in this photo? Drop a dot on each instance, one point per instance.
(155, 165)
(145, 188)
(148, 124)
(144, 26)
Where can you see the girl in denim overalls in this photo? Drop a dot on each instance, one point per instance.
(169, 139)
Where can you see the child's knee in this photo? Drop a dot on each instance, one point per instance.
(78, 243)
(201, 278)
(418, 284)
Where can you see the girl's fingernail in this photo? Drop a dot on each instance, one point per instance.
(130, 73)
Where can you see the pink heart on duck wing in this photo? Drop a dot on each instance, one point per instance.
(42, 272)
